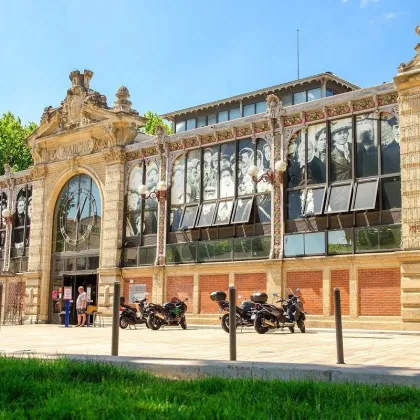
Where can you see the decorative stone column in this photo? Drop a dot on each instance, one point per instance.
(408, 85)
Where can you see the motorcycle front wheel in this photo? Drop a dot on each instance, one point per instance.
(153, 322)
(225, 322)
(301, 326)
(124, 323)
(183, 323)
(259, 325)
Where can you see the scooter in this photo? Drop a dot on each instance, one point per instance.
(130, 316)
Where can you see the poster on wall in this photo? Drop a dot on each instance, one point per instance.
(67, 292)
(136, 292)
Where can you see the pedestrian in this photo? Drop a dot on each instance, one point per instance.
(81, 307)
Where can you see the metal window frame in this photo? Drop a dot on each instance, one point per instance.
(183, 216)
(225, 200)
(350, 184)
(356, 185)
(304, 213)
(243, 221)
(201, 210)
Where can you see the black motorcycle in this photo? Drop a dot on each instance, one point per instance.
(243, 312)
(171, 313)
(130, 316)
(290, 313)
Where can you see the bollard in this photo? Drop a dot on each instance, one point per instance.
(338, 327)
(115, 318)
(232, 322)
(67, 313)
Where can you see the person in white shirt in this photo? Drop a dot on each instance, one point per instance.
(81, 304)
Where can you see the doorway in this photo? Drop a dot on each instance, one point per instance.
(89, 283)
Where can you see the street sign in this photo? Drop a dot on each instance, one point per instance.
(67, 292)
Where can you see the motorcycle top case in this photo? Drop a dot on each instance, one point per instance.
(217, 296)
(259, 297)
(247, 305)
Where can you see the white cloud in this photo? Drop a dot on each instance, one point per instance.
(364, 3)
(344, 1)
(390, 15)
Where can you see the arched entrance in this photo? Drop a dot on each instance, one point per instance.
(76, 244)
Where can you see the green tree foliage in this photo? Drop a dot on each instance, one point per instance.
(13, 149)
(153, 121)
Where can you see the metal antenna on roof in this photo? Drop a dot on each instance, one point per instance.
(297, 39)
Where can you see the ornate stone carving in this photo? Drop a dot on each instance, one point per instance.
(224, 135)
(261, 127)
(363, 104)
(46, 115)
(99, 144)
(122, 104)
(243, 131)
(192, 142)
(391, 98)
(314, 115)
(338, 110)
(293, 119)
(114, 155)
(38, 172)
(207, 139)
(36, 153)
(138, 154)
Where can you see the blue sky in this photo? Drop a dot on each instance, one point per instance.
(180, 53)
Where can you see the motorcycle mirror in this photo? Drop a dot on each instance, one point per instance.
(275, 294)
(297, 290)
(239, 296)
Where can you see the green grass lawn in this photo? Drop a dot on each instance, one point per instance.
(63, 389)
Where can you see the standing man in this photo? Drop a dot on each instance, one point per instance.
(341, 152)
(81, 307)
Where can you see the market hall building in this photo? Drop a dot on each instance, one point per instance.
(313, 184)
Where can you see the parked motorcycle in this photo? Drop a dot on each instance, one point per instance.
(170, 313)
(289, 314)
(130, 316)
(243, 312)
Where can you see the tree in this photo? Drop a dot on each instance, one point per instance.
(13, 149)
(153, 121)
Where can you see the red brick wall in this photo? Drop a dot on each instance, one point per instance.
(380, 292)
(148, 281)
(210, 284)
(181, 287)
(246, 284)
(341, 279)
(310, 285)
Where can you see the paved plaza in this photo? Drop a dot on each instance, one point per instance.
(315, 347)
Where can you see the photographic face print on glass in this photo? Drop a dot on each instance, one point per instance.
(263, 163)
(314, 201)
(133, 224)
(152, 178)
(341, 141)
(245, 160)
(193, 176)
(3, 207)
(317, 153)
(242, 210)
(210, 172)
(263, 208)
(189, 216)
(390, 144)
(227, 170)
(295, 202)
(175, 219)
(177, 185)
(367, 145)
(224, 210)
(339, 199)
(206, 214)
(135, 179)
(296, 161)
(150, 222)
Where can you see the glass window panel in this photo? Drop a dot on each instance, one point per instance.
(263, 209)
(224, 211)
(299, 97)
(234, 113)
(245, 160)
(341, 145)
(177, 185)
(390, 237)
(242, 210)
(367, 239)
(175, 219)
(365, 198)
(227, 170)
(296, 162)
(189, 216)
(261, 107)
(150, 222)
(391, 193)
(263, 164)
(317, 153)
(340, 241)
(294, 204)
(287, 100)
(249, 110)
(191, 124)
(314, 201)
(180, 126)
(210, 172)
(330, 92)
(135, 179)
(206, 214)
(314, 243)
(3, 207)
(152, 178)
(367, 145)
(133, 224)
(293, 245)
(223, 116)
(390, 144)
(29, 208)
(339, 199)
(193, 176)
(211, 119)
(201, 121)
(314, 94)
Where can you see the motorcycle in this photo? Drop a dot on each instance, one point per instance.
(243, 312)
(130, 316)
(170, 313)
(290, 313)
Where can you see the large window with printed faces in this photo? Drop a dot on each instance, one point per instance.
(4, 199)
(212, 196)
(343, 184)
(141, 214)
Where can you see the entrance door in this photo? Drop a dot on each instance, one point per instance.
(89, 283)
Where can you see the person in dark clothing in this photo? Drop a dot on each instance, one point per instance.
(390, 143)
(367, 156)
